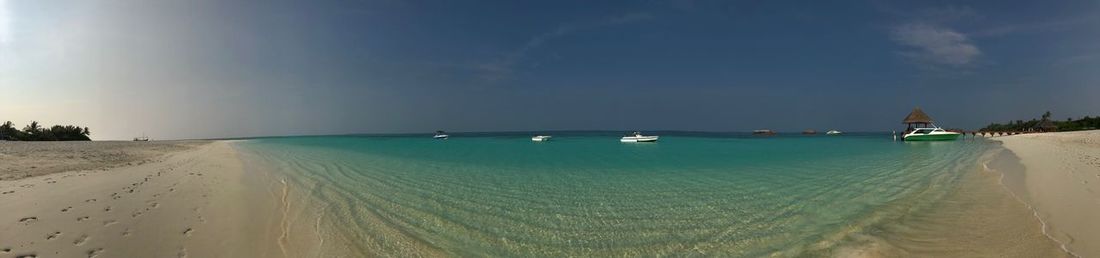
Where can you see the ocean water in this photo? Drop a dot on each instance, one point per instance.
(587, 194)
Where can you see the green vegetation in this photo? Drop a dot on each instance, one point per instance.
(1085, 123)
(35, 132)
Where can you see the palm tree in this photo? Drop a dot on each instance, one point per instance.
(32, 130)
(86, 131)
(7, 130)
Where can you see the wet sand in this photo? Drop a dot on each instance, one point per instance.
(1060, 181)
(978, 217)
(157, 200)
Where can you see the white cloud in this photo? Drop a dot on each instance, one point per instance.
(936, 45)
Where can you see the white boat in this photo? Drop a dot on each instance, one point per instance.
(638, 137)
(540, 138)
(930, 134)
(833, 132)
(440, 135)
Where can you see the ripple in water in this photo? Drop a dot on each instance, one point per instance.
(593, 196)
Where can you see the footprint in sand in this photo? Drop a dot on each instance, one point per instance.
(126, 232)
(80, 240)
(8, 192)
(187, 232)
(27, 256)
(109, 222)
(94, 252)
(53, 235)
(107, 209)
(82, 218)
(28, 220)
(89, 200)
(5, 250)
(66, 209)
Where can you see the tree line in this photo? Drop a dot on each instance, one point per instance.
(1085, 123)
(35, 132)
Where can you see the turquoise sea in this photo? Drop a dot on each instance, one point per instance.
(586, 194)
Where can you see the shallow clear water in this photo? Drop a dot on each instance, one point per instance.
(586, 194)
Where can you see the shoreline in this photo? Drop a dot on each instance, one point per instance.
(977, 216)
(185, 202)
(1058, 176)
(218, 198)
(293, 225)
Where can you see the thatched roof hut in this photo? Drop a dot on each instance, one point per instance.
(1046, 125)
(917, 117)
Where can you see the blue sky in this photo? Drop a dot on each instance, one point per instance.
(197, 69)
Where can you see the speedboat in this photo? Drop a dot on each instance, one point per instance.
(763, 132)
(440, 135)
(540, 138)
(930, 134)
(143, 138)
(833, 132)
(638, 137)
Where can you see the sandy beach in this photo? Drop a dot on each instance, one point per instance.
(124, 199)
(1060, 180)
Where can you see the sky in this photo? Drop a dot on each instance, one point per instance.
(212, 69)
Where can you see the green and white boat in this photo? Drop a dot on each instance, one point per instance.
(930, 134)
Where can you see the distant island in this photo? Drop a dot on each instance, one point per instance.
(35, 132)
(1045, 124)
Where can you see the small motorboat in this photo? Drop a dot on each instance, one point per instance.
(809, 132)
(638, 137)
(763, 132)
(833, 132)
(930, 134)
(540, 138)
(440, 135)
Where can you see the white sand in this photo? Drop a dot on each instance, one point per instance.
(27, 159)
(188, 201)
(1062, 184)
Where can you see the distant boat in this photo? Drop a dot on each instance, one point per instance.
(638, 137)
(440, 135)
(833, 132)
(809, 132)
(540, 138)
(143, 138)
(930, 134)
(763, 132)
